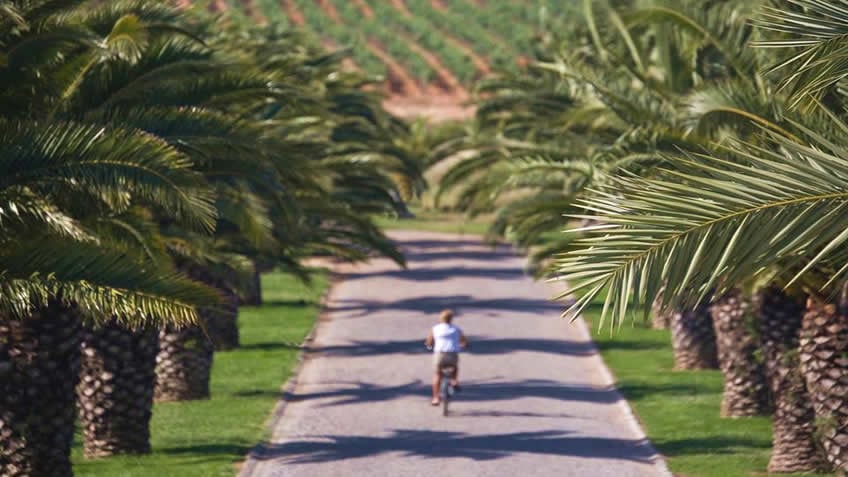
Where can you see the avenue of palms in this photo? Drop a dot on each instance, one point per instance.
(684, 158)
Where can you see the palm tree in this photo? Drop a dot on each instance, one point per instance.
(693, 338)
(115, 168)
(794, 445)
(48, 170)
(115, 392)
(760, 209)
(745, 390)
(136, 134)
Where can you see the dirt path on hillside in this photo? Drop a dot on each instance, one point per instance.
(294, 13)
(400, 6)
(330, 10)
(366, 9)
(439, 4)
(536, 401)
(444, 77)
(400, 81)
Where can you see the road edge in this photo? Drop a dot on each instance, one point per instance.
(660, 461)
(251, 461)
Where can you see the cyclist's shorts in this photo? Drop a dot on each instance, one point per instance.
(445, 359)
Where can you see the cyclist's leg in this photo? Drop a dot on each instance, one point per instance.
(437, 379)
(454, 358)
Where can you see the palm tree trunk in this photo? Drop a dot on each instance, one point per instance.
(693, 339)
(793, 429)
(184, 362)
(39, 367)
(252, 295)
(183, 365)
(220, 322)
(737, 339)
(824, 364)
(660, 319)
(115, 393)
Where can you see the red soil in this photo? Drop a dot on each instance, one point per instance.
(400, 81)
(330, 10)
(439, 4)
(444, 78)
(218, 6)
(293, 13)
(366, 10)
(400, 5)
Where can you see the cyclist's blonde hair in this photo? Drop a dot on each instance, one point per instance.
(446, 316)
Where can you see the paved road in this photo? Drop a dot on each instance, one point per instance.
(536, 401)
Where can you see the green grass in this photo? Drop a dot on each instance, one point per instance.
(208, 438)
(679, 410)
(436, 221)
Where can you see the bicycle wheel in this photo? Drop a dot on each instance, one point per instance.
(445, 397)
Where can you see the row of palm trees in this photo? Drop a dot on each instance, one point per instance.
(694, 153)
(152, 162)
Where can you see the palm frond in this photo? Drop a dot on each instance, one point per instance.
(759, 209)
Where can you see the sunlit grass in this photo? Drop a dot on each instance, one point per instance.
(431, 220)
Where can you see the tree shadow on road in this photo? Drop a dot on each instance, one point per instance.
(475, 255)
(446, 445)
(445, 242)
(420, 274)
(434, 304)
(480, 345)
(359, 392)
(497, 413)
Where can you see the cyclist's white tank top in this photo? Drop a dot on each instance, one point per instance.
(446, 338)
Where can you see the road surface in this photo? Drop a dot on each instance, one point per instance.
(537, 400)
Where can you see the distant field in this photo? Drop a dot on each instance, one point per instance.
(437, 221)
(423, 47)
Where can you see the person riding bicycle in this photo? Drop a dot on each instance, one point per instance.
(446, 341)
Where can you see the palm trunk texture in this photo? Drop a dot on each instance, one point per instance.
(183, 365)
(660, 319)
(693, 339)
(737, 338)
(115, 393)
(39, 367)
(793, 426)
(824, 363)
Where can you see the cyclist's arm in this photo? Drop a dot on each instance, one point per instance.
(430, 340)
(463, 341)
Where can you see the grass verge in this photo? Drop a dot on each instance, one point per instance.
(208, 438)
(679, 410)
(436, 221)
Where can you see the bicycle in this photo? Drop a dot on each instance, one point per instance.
(446, 390)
